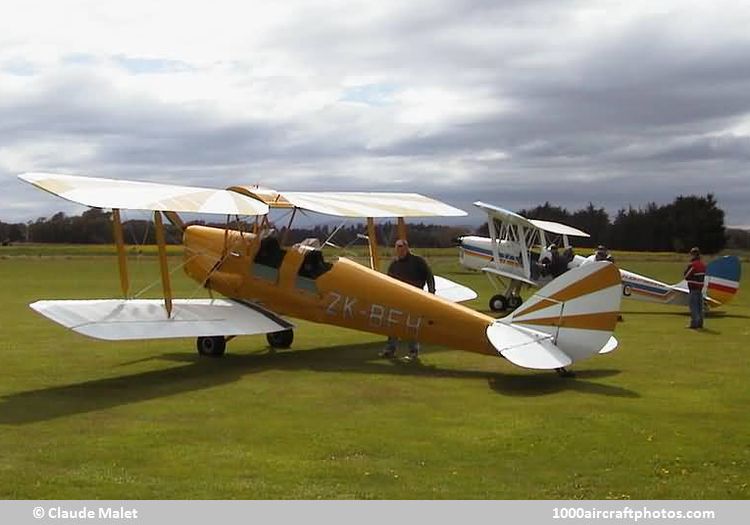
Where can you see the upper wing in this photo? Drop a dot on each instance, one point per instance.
(504, 215)
(118, 319)
(354, 204)
(560, 229)
(111, 193)
(510, 217)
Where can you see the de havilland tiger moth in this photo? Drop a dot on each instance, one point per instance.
(570, 319)
(511, 258)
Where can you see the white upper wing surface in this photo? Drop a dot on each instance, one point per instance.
(353, 204)
(560, 229)
(504, 215)
(111, 193)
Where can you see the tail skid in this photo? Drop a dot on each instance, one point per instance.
(570, 319)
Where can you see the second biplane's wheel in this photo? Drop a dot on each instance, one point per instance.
(514, 301)
(281, 339)
(498, 303)
(211, 346)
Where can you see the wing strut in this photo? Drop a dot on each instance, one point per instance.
(166, 286)
(401, 229)
(122, 260)
(288, 226)
(373, 240)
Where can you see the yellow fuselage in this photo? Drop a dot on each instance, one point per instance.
(345, 294)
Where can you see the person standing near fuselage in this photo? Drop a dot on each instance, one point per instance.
(414, 270)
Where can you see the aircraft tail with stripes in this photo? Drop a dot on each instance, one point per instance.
(570, 319)
(723, 278)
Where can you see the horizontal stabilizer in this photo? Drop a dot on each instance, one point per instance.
(526, 348)
(131, 195)
(453, 291)
(118, 319)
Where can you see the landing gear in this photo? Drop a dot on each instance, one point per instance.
(498, 303)
(281, 339)
(213, 346)
(564, 372)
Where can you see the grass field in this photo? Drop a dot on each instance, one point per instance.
(665, 416)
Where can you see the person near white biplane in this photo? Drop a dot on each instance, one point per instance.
(570, 319)
(523, 251)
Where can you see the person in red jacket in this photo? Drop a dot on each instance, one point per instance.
(695, 274)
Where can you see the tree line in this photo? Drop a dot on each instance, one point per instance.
(687, 221)
(94, 226)
(676, 227)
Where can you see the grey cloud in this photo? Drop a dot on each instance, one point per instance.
(641, 114)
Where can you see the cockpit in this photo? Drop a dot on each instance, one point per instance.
(277, 264)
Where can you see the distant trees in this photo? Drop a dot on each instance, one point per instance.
(94, 226)
(688, 221)
(738, 239)
(10, 233)
(420, 234)
(592, 220)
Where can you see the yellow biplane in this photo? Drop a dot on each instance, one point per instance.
(571, 318)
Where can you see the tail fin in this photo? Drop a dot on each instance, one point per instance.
(723, 276)
(571, 318)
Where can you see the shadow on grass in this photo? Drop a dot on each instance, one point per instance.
(709, 315)
(545, 384)
(197, 373)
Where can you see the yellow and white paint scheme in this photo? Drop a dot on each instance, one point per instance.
(570, 319)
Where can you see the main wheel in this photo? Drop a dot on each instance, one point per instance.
(213, 346)
(498, 303)
(515, 301)
(281, 339)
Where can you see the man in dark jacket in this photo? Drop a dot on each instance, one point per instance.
(695, 274)
(414, 270)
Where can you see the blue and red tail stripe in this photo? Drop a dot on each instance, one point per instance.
(723, 275)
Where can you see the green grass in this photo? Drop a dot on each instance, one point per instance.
(665, 416)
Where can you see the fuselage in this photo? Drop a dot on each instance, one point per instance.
(297, 282)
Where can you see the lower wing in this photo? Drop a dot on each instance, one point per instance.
(119, 319)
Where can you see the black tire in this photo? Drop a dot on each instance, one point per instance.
(514, 301)
(281, 339)
(498, 303)
(213, 346)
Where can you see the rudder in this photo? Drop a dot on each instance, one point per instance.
(723, 278)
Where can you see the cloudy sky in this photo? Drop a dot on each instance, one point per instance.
(512, 102)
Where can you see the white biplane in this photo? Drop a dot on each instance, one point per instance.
(516, 252)
(570, 319)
